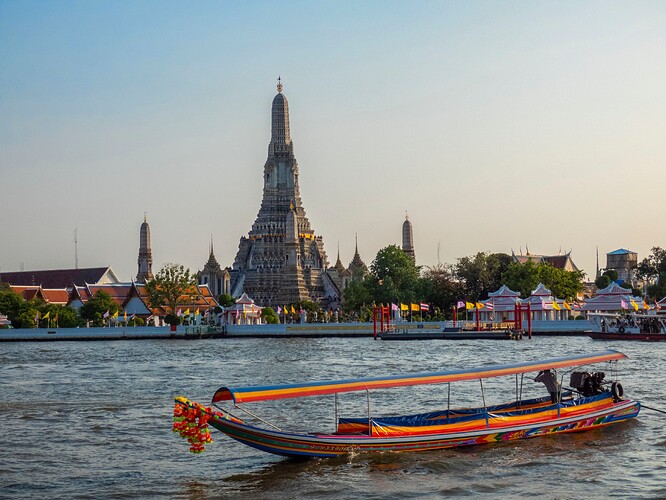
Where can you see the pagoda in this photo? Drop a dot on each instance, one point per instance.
(282, 261)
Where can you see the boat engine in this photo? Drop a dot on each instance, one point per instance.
(588, 384)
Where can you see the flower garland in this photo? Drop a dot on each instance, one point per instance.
(190, 420)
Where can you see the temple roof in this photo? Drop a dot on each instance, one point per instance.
(60, 278)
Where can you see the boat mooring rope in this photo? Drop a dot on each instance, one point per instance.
(653, 409)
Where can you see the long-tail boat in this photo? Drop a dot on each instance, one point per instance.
(590, 402)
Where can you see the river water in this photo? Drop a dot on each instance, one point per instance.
(93, 419)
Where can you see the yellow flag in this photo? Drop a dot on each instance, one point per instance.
(404, 307)
(469, 305)
(115, 314)
(286, 310)
(125, 315)
(645, 305)
(196, 313)
(47, 315)
(634, 304)
(187, 312)
(479, 305)
(415, 307)
(293, 311)
(556, 306)
(566, 305)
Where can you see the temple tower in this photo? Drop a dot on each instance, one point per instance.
(408, 238)
(145, 260)
(281, 261)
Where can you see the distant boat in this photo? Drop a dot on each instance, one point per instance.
(592, 403)
(648, 328)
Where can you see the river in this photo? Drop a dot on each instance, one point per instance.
(93, 419)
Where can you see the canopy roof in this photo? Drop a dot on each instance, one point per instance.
(272, 392)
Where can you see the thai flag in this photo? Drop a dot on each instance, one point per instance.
(460, 304)
(424, 307)
(489, 306)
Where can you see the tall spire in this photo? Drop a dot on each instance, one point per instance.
(145, 259)
(280, 135)
(408, 237)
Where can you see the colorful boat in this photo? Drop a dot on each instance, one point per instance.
(643, 327)
(591, 402)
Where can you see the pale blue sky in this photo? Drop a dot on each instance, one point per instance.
(494, 124)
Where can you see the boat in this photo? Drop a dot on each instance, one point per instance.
(451, 334)
(591, 402)
(643, 327)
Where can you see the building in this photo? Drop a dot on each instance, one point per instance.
(61, 278)
(408, 238)
(625, 263)
(217, 279)
(282, 260)
(145, 259)
(561, 261)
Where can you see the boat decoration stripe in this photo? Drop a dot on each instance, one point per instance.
(272, 392)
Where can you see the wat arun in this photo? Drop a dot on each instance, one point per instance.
(282, 261)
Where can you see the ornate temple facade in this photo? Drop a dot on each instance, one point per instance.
(282, 260)
(213, 275)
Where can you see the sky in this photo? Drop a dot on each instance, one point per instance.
(496, 126)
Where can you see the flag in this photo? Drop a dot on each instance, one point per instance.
(556, 306)
(115, 315)
(293, 311)
(394, 307)
(279, 311)
(56, 317)
(47, 315)
(566, 305)
(179, 313)
(37, 317)
(623, 304)
(133, 316)
(187, 312)
(656, 305)
(479, 305)
(125, 315)
(196, 313)
(424, 307)
(414, 307)
(460, 304)
(469, 305)
(404, 307)
(634, 305)
(489, 306)
(646, 306)
(106, 314)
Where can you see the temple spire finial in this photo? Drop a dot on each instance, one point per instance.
(211, 243)
(279, 85)
(144, 217)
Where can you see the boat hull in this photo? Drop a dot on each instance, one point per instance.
(331, 445)
(643, 337)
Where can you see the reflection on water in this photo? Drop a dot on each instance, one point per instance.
(94, 420)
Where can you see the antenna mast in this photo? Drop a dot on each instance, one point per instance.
(76, 248)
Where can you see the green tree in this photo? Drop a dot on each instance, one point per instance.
(481, 274)
(440, 288)
(525, 278)
(602, 282)
(356, 294)
(652, 270)
(612, 274)
(97, 306)
(62, 316)
(170, 286)
(20, 312)
(393, 277)
(269, 316)
(226, 300)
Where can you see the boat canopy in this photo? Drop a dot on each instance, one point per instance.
(272, 392)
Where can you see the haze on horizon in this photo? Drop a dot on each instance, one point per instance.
(495, 125)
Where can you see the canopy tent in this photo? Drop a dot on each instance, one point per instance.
(500, 305)
(541, 305)
(264, 393)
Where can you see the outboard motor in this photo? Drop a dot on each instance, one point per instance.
(588, 384)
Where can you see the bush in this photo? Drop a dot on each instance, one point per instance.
(172, 319)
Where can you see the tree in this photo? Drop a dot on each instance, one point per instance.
(170, 286)
(394, 276)
(602, 282)
(97, 306)
(612, 274)
(439, 287)
(526, 277)
(481, 274)
(226, 300)
(20, 312)
(269, 316)
(652, 270)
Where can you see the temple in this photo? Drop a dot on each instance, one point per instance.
(282, 260)
(145, 259)
(408, 238)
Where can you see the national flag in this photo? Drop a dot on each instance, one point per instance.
(424, 307)
(468, 306)
(479, 305)
(623, 304)
(414, 307)
(634, 305)
(556, 306)
(187, 312)
(566, 305)
(47, 315)
(279, 311)
(404, 307)
(106, 314)
(490, 306)
(460, 304)
(133, 316)
(576, 305)
(657, 306)
(394, 307)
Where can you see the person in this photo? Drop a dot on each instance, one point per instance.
(550, 381)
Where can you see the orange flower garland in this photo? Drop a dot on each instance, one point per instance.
(190, 420)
